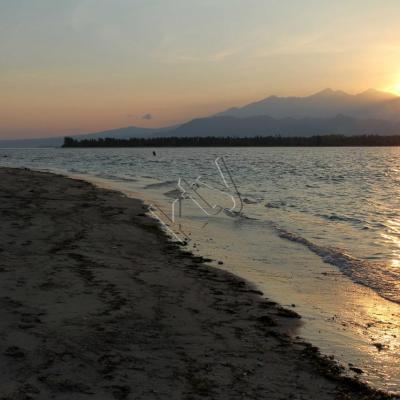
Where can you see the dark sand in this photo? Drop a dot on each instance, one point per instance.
(96, 303)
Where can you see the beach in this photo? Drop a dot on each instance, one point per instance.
(97, 302)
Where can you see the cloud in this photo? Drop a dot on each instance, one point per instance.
(146, 116)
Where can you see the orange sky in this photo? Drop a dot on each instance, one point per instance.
(88, 65)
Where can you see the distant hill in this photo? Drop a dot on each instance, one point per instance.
(119, 133)
(268, 126)
(326, 112)
(32, 143)
(325, 104)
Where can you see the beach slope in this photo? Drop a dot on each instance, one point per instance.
(95, 302)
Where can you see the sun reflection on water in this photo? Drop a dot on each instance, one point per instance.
(392, 239)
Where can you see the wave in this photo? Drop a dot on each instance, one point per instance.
(344, 218)
(126, 179)
(161, 184)
(250, 200)
(75, 171)
(275, 204)
(116, 177)
(173, 194)
(376, 275)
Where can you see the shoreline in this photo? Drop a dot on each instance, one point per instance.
(93, 287)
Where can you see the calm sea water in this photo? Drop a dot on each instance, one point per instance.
(320, 229)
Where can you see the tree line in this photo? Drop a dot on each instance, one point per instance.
(213, 141)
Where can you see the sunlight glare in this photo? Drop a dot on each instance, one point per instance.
(396, 88)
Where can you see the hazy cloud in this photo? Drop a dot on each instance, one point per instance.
(146, 116)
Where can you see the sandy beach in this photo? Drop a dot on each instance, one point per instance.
(97, 303)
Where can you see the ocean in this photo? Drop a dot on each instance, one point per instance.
(316, 229)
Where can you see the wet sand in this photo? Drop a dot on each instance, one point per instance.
(96, 302)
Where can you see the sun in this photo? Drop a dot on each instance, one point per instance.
(396, 88)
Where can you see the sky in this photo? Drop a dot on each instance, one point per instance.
(77, 66)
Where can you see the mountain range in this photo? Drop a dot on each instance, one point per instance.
(119, 133)
(326, 112)
(324, 104)
(264, 125)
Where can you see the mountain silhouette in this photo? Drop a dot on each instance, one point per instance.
(118, 133)
(325, 104)
(263, 125)
(326, 112)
